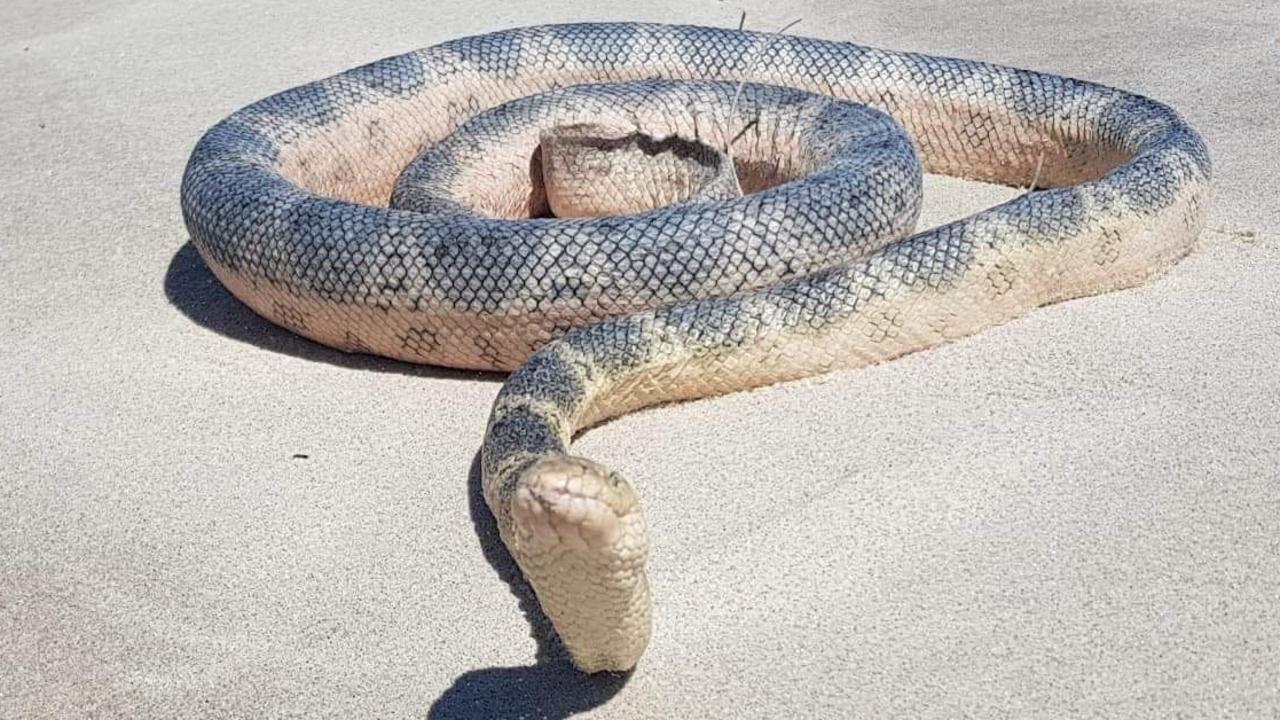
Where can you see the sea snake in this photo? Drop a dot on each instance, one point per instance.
(813, 269)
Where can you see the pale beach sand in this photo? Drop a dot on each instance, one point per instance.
(1077, 514)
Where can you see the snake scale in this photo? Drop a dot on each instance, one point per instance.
(287, 201)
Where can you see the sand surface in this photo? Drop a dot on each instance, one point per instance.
(1075, 514)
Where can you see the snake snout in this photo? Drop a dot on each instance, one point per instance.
(575, 502)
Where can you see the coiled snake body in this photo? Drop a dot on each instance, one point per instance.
(815, 270)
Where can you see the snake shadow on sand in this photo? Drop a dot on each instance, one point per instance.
(193, 289)
(551, 687)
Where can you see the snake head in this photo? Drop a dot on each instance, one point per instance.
(579, 536)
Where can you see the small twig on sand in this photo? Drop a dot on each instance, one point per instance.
(1036, 177)
(737, 93)
(754, 121)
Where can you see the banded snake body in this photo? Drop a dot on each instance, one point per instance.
(813, 269)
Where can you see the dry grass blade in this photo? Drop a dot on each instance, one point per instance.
(737, 93)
